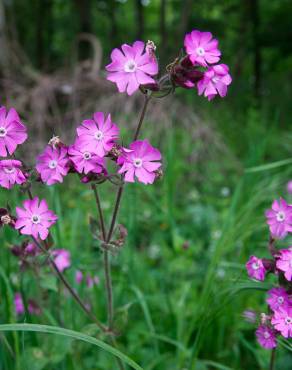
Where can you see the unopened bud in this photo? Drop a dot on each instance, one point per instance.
(55, 142)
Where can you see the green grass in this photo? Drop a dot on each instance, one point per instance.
(175, 307)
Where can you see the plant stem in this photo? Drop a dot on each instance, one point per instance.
(146, 101)
(100, 214)
(272, 360)
(68, 286)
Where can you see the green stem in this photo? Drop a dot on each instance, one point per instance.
(273, 359)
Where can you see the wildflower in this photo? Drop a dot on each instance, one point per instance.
(10, 173)
(85, 161)
(279, 219)
(215, 81)
(35, 218)
(62, 259)
(78, 277)
(53, 165)
(140, 161)
(282, 321)
(132, 67)
(202, 48)
(33, 307)
(250, 316)
(12, 131)
(97, 135)
(185, 74)
(289, 187)
(90, 282)
(266, 337)
(277, 298)
(255, 268)
(284, 263)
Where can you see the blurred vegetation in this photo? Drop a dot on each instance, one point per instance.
(180, 284)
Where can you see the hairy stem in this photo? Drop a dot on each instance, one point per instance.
(99, 209)
(146, 101)
(273, 359)
(68, 286)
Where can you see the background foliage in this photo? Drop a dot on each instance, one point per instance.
(180, 284)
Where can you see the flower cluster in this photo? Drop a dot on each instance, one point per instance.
(134, 67)
(279, 299)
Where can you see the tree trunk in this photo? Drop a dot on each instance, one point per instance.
(140, 19)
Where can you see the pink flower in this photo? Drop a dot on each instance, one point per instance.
(266, 337)
(97, 135)
(18, 304)
(78, 277)
(33, 307)
(53, 164)
(215, 81)
(85, 161)
(90, 282)
(12, 131)
(62, 259)
(10, 173)
(140, 161)
(289, 187)
(279, 219)
(282, 321)
(255, 268)
(284, 263)
(202, 48)
(131, 67)
(277, 298)
(35, 218)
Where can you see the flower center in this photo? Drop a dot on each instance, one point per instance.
(215, 79)
(53, 164)
(35, 219)
(280, 216)
(280, 300)
(130, 66)
(255, 266)
(138, 162)
(288, 320)
(3, 131)
(267, 335)
(9, 170)
(86, 156)
(98, 135)
(200, 52)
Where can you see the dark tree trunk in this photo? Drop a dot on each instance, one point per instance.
(140, 19)
(257, 58)
(163, 33)
(83, 8)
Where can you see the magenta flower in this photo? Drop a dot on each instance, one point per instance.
(18, 304)
(215, 81)
(10, 173)
(33, 307)
(78, 277)
(255, 268)
(282, 321)
(62, 258)
(132, 67)
(202, 48)
(35, 218)
(279, 219)
(53, 164)
(97, 135)
(140, 161)
(12, 131)
(85, 161)
(284, 263)
(277, 298)
(289, 187)
(266, 337)
(90, 282)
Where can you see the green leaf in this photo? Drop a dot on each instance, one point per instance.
(269, 166)
(71, 334)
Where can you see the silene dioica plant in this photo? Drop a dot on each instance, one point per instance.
(277, 322)
(133, 68)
